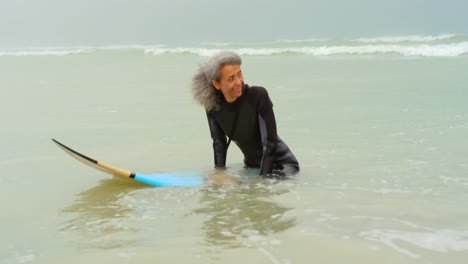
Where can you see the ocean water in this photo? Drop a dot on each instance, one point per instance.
(379, 126)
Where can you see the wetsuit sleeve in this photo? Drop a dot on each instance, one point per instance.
(219, 141)
(268, 132)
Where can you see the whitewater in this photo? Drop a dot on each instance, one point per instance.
(445, 45)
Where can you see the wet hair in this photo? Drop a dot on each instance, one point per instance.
(203, 91)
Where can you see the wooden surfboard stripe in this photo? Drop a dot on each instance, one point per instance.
(94, 163)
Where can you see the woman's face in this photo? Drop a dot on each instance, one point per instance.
(231, 82)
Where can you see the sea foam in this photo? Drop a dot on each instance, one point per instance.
(279, 41)
(44, 52)
(412, 38)
(424, 50)
(326, 48)
(63, 51)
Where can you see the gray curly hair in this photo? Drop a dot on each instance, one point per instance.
(202, 89)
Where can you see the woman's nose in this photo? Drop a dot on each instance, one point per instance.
(238, 81)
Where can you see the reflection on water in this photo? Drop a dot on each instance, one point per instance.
(243, 215)
(98, 212)
(116, 213)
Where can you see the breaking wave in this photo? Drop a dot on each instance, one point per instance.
(418, 45)
(440, 50)
(413, 38)
(280, 41)
(63, 51)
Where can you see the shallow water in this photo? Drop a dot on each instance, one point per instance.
(381, 140)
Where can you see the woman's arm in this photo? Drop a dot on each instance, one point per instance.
(219, 141)
(268, 132)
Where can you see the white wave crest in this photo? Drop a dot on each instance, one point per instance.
(43, 52)
(422, 50)
(196, 51)
(280, 41)
(301, 40)
(224, 44)
(413, 38)
(63, 51)
(442, 50)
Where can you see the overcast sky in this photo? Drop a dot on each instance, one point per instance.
(104, 22)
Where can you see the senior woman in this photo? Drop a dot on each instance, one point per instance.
(244, 114)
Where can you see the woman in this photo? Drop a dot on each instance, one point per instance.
(244, 114)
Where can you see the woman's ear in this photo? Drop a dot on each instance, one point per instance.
(216, 84)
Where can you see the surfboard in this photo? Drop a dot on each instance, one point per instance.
(157, 179)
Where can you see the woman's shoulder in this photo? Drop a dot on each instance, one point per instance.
(259, 95)
(257, 91)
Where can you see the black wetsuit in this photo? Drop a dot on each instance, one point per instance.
(254, 133)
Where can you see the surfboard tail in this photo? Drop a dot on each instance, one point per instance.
(95, 163)
(158, 179)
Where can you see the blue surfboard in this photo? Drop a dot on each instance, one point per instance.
(157, 179)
